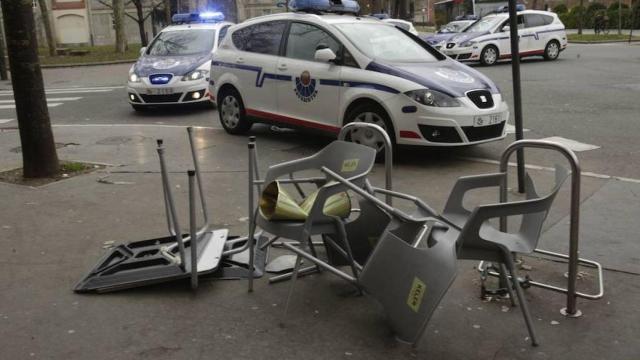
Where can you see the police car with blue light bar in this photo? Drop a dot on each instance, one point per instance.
(174, 68)
(323, 66)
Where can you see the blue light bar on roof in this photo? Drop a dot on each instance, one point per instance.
(208, 16)
(336, 6)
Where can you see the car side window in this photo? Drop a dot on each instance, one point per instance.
(547, 19)
(262, 38)
(305, 39)
(520, 23)
(534, 20)
(222, 33)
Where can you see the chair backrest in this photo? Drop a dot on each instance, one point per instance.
(534, 211)
(409, 281)
(349, 160)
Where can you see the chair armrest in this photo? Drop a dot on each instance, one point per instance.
(454, 204)
(286, 168)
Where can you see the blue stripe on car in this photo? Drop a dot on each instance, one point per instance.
(260, 76)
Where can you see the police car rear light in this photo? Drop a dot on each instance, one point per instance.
(335, 6)
(186, 18)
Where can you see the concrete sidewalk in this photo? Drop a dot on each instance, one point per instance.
(53, 234)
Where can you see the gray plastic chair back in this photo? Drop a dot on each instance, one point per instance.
(351, 160)
(409, 281)
(478, 234)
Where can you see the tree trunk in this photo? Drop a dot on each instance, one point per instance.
(118, 23)
(580, 16)
(3, 64)
(140, 21)
(39, 156)
(48, 27)
(167, 12)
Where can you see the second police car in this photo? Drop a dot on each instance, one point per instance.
(174, 68)
(487, 40)
(319, 71)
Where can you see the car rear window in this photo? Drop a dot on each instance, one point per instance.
(182, 42)
(262, 38)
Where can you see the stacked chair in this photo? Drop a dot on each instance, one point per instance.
(410, 263)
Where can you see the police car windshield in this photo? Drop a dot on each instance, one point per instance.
(384, 42)
(484, 24)
(182, 42)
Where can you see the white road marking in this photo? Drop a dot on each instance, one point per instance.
(48, 99)
(571, 144)
(14, 106)
(511, 129)
(4, 121)
(71, 90)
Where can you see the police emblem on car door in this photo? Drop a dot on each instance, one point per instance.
(305, 87)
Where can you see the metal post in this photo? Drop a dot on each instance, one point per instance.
(517, 93)
(251, 239)
(574, 227)
(620, 17)
(196, 165)
(388, 151)
(193, 242)
(169, 197)
(3, 63)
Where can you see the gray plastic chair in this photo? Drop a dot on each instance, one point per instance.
(354, 162)
(478, 240)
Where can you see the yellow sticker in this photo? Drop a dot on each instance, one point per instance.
(350, 165)
(415, 294)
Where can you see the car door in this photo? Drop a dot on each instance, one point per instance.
(310, 94)
(255, 64)
(505, 41)
(535, 23)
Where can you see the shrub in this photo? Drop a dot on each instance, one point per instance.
(560, 9)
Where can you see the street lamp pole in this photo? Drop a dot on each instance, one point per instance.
(517, 93)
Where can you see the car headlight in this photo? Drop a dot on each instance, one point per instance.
(432, 98)
(133, 77)
(468, 44)
(195, 75)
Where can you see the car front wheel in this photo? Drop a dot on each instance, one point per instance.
(552, 50)
(489, 55)
(371, 113)
(232, 113)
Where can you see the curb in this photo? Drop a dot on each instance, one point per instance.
(114, 62)
(602, 42)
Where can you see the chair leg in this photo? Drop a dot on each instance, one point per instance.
(523, 302)
(252, 244)
(505, 279)
(312, 248)
(342, 234)
(294, 277)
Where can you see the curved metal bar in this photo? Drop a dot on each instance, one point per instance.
(574, 226)
(388, 151)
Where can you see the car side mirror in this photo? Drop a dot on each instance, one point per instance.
(506, 28)
(325, 55)
(143, 50)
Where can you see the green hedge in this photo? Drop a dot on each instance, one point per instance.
(570, 18)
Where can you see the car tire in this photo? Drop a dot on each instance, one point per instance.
(231, 112)
(551, 50)
(371, 112)
(139, 108)
(489, 55)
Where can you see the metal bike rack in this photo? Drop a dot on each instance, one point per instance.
(388, 151)
(572, 294)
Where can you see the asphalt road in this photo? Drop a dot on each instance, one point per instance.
(591, 94)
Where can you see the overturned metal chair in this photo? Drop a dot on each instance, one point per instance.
(478, 239)
(350, 160)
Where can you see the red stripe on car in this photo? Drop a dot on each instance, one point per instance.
(292, 121)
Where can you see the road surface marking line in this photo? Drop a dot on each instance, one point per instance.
(4, 121)
(70, 91)
(13, 106)
(48, 99)
(571, 144)
(511, 129)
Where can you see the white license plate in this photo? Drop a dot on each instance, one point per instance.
(159, 91)
(486, 120)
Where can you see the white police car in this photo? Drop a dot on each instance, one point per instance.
(487, 40)
(174, 68)
(319, 71)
